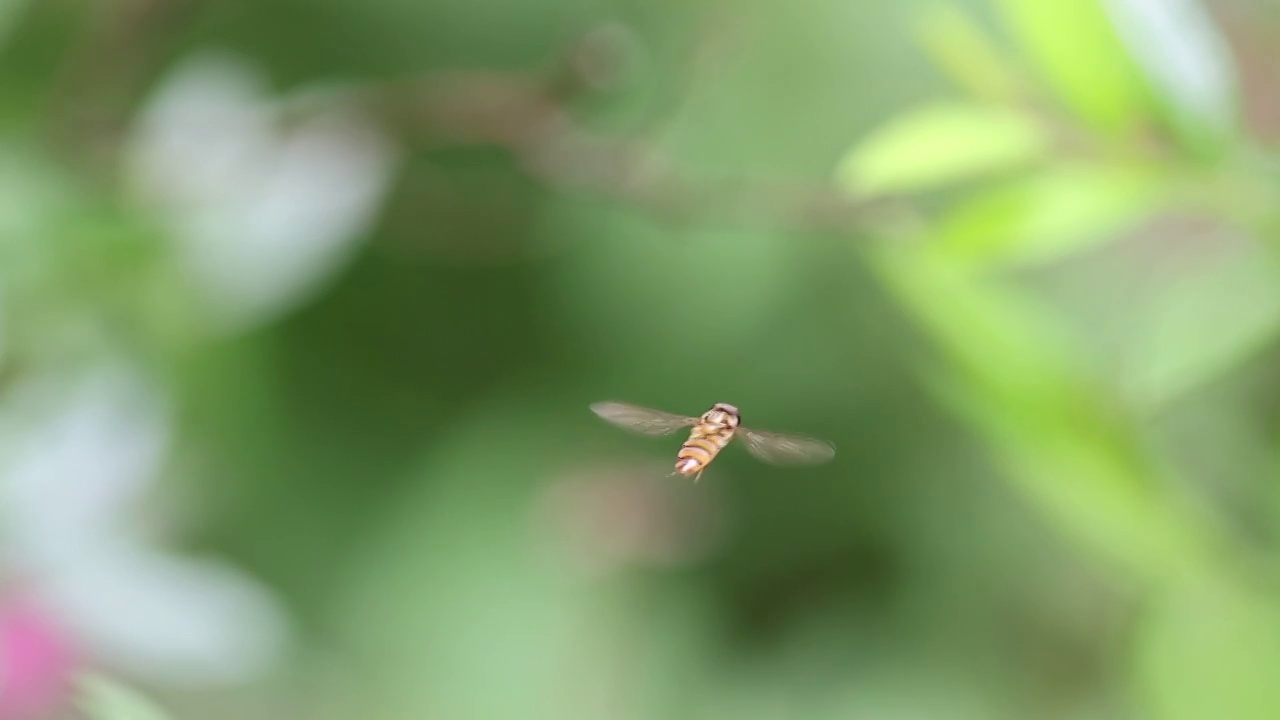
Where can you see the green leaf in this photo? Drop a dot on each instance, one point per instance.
(1234, 303)
(1024, 389)
(104, 699)
(940, 144)
(1063, 210)
(961, 49)
(1078, 53)
(1208, 650)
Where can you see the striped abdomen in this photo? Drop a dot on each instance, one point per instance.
(705, 441)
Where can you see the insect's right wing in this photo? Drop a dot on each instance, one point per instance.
(786, 448)
(641, 420)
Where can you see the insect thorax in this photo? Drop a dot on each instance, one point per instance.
(722, 414)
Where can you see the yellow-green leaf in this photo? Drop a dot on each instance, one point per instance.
(940, 144)
(962, 50)
(1079, 54)
(1063, 210)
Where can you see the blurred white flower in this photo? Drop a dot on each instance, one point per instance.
(75, 458)
(264, 213)
(170, 620)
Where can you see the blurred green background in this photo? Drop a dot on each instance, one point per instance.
(321, 291)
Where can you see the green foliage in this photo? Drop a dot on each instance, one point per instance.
(1060, 210)
(942, 144)
(1234, 300)
(1074, 46)
(967, 54)
(1209, 649)
(1003, 342)
(1189, 66)
(102, 698)
(1075, 440)
(1017, 383)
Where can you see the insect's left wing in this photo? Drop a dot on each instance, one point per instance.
(786, 448)
(645, 421)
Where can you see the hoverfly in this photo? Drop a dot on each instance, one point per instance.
(711, 432)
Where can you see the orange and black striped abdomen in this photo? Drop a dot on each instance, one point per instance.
(706, 440)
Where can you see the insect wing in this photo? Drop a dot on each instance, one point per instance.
(641, 420)
(786, 448)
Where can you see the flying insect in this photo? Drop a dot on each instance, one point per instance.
(711, 432)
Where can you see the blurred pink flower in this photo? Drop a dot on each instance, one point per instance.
(37, 659)
(78, 456)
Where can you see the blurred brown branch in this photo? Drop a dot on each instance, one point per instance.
(106, 72)
(529, 115)
(1249, 31)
